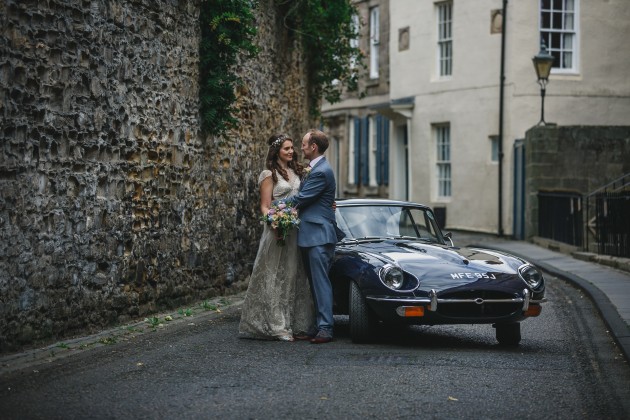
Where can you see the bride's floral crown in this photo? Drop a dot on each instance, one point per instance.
(281, 139)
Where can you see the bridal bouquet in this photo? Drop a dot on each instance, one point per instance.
(282, 217)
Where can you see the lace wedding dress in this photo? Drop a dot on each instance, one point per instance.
(278, 303)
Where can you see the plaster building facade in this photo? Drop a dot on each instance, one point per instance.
(455, 130)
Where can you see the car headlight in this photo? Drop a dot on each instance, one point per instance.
(392, 276)
(530, 275)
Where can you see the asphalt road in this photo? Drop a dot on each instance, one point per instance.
(566, 367)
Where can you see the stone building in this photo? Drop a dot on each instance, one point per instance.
(583, 205)
(112, 203)
(359, 133)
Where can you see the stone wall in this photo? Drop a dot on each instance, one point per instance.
(112, 203)
(572, 159)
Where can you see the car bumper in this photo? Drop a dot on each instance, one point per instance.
(435, 310)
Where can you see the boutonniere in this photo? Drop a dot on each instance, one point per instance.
(307, 172)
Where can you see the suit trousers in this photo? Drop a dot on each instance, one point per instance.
(317, 262)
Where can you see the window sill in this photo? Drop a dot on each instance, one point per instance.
(573, 76)
(441, 79)
(350, 189)
(564, 72)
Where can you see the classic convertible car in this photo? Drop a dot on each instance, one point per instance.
(396, 266)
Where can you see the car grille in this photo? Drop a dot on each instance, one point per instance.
(480, 304)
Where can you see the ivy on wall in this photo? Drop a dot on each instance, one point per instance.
(228, 28)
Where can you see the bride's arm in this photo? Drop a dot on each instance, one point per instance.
(266, 192)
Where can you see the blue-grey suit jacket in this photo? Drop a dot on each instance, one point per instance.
(314, 202)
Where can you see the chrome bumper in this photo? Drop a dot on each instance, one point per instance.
(433, 301)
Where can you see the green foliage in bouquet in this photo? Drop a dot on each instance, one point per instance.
(282, 217)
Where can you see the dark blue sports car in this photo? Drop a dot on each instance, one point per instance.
(396, 266)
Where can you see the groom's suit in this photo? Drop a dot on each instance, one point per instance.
(317, 237)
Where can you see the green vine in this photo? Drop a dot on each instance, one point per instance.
(326, 30)
(228, 29)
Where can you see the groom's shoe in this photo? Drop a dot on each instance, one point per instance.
(302, 337)
(321, 338)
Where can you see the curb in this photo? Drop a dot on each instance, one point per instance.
(154, 323)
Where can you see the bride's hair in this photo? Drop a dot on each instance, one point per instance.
(275, 143)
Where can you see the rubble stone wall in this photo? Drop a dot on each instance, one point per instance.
(576, 159)
(113, 204)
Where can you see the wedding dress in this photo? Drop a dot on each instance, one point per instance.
(278, 303)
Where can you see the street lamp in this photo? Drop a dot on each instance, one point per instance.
(542, 63)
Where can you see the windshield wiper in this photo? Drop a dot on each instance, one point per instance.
(414, 238)
(363, 239)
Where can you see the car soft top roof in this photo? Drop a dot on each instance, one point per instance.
(347, 202)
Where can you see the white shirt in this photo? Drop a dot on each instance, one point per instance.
(313, 162)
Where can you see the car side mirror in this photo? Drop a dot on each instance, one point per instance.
(449, 236)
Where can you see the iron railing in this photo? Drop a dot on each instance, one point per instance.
(607, 222)
(560, 217)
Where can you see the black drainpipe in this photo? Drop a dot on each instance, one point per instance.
(503, 25)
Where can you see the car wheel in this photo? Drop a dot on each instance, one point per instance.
(508, 334)
(362, 319)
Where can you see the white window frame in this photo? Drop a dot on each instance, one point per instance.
(375, 16)
(560, 41)
(444, 38)
(351, 153)
(442, 135)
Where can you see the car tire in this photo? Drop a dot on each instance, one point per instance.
(508, 334)
(362, 319)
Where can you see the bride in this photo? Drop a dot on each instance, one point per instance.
(278, 304)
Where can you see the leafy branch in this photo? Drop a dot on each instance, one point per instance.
(228, 29)
(326, 29)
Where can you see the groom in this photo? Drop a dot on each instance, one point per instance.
(317, 234)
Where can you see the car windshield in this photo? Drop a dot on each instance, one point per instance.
(375, 221)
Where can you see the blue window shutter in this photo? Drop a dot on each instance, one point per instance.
(357, 149)
(379, 149)
(365, 168)
(386, 151)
